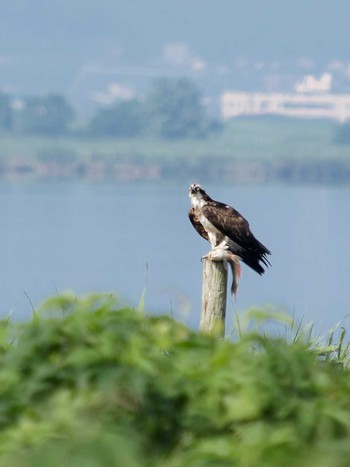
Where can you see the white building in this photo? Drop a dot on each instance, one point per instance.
(298, 105)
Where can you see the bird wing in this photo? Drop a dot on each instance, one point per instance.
(228, 221)
(242, 242)
(232, 224)
(192, 214)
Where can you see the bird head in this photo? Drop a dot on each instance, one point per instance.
(197, 195)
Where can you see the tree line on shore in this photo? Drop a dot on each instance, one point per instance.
(172, 109)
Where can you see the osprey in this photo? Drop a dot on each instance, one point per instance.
(228, 233)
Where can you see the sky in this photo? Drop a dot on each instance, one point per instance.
(101, 50)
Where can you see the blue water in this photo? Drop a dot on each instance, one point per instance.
(127, 237)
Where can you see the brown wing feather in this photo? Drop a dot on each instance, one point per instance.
(232, 224)
(229, 221)
(196, 224)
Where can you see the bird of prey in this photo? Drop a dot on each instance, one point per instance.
(228, 233)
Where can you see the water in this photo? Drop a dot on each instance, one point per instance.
(125, 237)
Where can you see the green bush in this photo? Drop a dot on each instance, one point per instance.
(48, 115)
(88, 382)
(125, 119)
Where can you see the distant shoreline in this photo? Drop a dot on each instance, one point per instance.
(251, 151)
(285, 172)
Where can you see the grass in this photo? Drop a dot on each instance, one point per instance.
(90, 382)
(245, 139)
(274, 139)
(246, 151)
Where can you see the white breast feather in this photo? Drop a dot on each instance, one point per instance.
(211, 230)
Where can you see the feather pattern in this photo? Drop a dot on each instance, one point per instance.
(196, 224)
(242, 242)
(223, 226)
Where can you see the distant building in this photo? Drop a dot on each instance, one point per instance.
(308, 105)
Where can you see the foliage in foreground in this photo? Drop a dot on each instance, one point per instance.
(88, 382)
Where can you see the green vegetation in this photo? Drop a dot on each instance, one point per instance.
(43, 115)
(90, 382)
(165, 135)
(173, 110)
(124, 120)
(176, 110)
(246, 150)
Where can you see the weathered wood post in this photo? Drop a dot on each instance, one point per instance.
(214, 293)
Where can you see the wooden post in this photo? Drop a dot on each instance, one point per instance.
(214, 294)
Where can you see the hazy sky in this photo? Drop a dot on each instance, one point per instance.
(261, 28)
(55, 44)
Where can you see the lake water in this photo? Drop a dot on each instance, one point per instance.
(125, 237)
